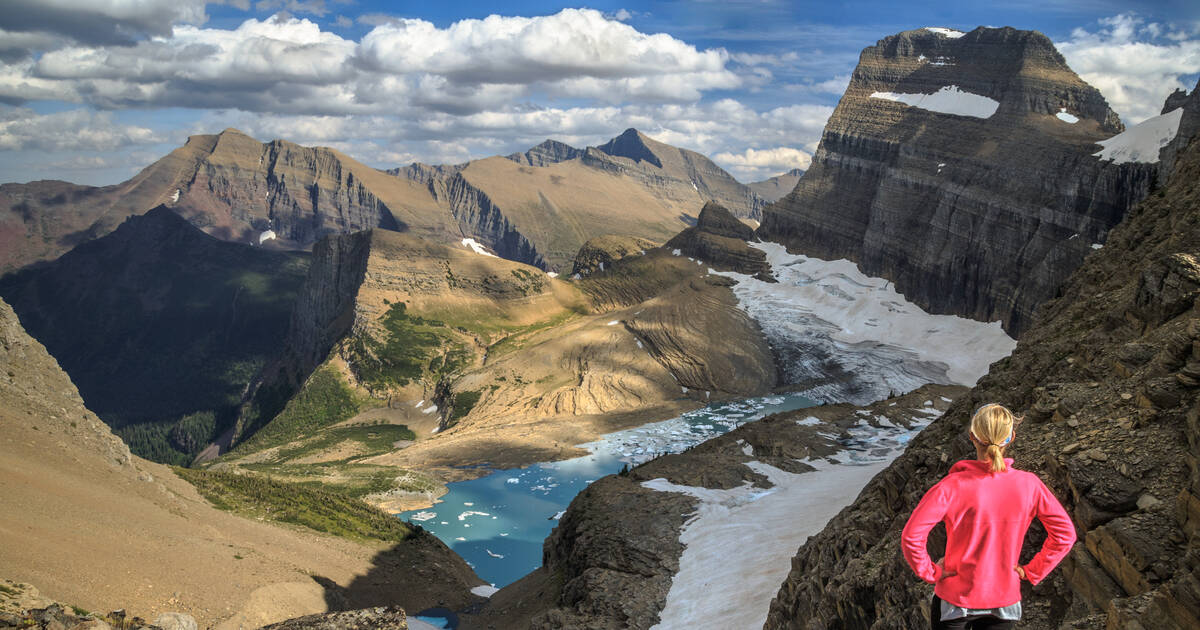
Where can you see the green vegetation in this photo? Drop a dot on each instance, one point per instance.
(152, 441)
(464, 402)
(79, 612)
(352, 480)
(372, 440)
(323, 401)
(403, 350)
(8, 591)
(256, 496)
(520, 336)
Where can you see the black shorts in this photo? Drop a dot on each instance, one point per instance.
(970, 622)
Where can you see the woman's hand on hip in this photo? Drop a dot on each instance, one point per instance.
(943, 572)
(1020, 572)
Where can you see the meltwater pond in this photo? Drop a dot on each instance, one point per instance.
(498, 522)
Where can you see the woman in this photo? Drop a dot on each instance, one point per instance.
(987, 506)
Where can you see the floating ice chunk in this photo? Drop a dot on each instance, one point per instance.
(947, 100)
(1142, 142)
(558, 515)
(477, 247)
(460, 539)
(1096, 246)
(423, 516)
(494, 555)
(468, 504)
(1065, 117)
(268, 235)
(469, 513)
(512, 480)
(947, 32)
(485, 590)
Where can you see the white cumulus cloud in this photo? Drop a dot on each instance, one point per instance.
(1134, 64)
(75, 130)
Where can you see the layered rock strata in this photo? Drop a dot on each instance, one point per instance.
(1108, 379)
(775, 188)
(976, 199)
(720, 240)
(601, 252)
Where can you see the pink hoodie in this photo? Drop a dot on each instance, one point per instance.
(986, 515)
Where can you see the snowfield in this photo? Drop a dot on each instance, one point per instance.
(477, 247)
(852, 338)
(948, 100)
(948, 32)
(1141, 142)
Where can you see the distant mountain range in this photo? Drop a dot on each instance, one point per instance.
(536, 207)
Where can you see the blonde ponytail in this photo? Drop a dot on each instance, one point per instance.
(992, 427)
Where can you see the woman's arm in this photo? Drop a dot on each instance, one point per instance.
(1060, 535)
(929, 512)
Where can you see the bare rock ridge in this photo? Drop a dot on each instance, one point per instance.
(1189, 127)
(775, 188)
(160, 325)
(1108, 378)
(720, 239)
(546, 153)
(975, 212)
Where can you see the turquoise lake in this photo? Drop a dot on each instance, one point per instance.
(497, 523)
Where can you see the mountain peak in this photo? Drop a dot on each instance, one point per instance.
(634, 145)
(547, 153)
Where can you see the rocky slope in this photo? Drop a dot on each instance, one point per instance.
(231, 186)
(602, 251)
(161, 326)
(541, 206)
(89, 524)
(1107, 377)
(775, 188)
(978, 198)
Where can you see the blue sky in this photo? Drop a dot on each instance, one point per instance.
(93, 90)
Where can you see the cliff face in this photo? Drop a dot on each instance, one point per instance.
(1108, 378)
(980, 197)
(775, 188)
(547, 153)
(160, 325)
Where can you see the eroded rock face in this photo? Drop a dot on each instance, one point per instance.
(719, 239)
(970, 213)
(382, 618)
(1107, 380)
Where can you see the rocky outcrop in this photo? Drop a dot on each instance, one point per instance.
(720, 240)
(546, 153)
(981, 213)
(56, 617)
(1107, 380)
(602, 251)
(161, 326)
(382, 618)
(775, 188)
(1189, 127)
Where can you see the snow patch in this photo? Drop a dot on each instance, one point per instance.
(613, 322)
(552, 274)
(476, 247)
(429, 409)
(266, 236)
(1065, 117)
(486, 590)
(423, 516)
(948, 100)
(948, 32)
(1096, 246)
(175, 196)
(676, 252)
(809, 421)
(1142, 142)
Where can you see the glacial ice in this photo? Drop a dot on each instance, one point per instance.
(1142, 142)
(848, 337)
(948, 32)
(766, 528)
(948, 100)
